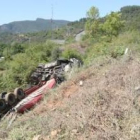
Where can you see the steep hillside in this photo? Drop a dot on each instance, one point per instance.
(103, 108)
(32, 26)
(98, 101)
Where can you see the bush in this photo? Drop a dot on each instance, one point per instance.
(70, 39)
(22, 64)
(103, 49)
(117, 51)
(55, 54)
(71, 53)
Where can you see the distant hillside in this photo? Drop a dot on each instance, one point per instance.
(32, 26)
(61, 30)
(131, 15)
(40, 29)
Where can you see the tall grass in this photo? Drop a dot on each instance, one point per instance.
(115, 48)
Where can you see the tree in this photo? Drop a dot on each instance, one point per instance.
(92, 24)
(93, 13)
(17, 48)
(113, 24)
(132, 16)
(97, 28)
(2, 47)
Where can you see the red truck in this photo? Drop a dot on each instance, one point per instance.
(43, 78)
(22, 100)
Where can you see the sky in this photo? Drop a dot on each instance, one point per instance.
(71, 10)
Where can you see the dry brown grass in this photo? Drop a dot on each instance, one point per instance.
(102, 109)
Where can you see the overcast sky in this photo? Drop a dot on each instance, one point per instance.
(17, 10)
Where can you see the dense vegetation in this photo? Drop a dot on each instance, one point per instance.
(131, 14)
(108, 112)
(103, 38)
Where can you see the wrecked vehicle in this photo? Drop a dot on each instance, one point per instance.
(45, 76)
(54, 69)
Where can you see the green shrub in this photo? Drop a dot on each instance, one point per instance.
(70, 39)
(22, 64)
(103, 49)
(55, 54)
(71, 53)
(117, 51)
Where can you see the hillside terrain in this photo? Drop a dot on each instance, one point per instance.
(40, 29)
(102, 108)
(106, 106)
(32, 26)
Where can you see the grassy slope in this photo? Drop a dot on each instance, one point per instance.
(100, 109)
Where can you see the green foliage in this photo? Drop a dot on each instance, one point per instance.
(92, 25)
(70, 39)
(92, 28)
(101, 49)
(93, 13)
(104, 29)
(131, 14)
(16, 48)
(55, 54)
(101, 38)
(8, 50)
(76, 26)
(113, 24)
(7, 53)
(71, 53)
(117, 51)
(59, 32)
(22, 64)
(2, 47)
(114, 48)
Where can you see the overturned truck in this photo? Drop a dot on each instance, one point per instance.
(45, 76)
(55, 69)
